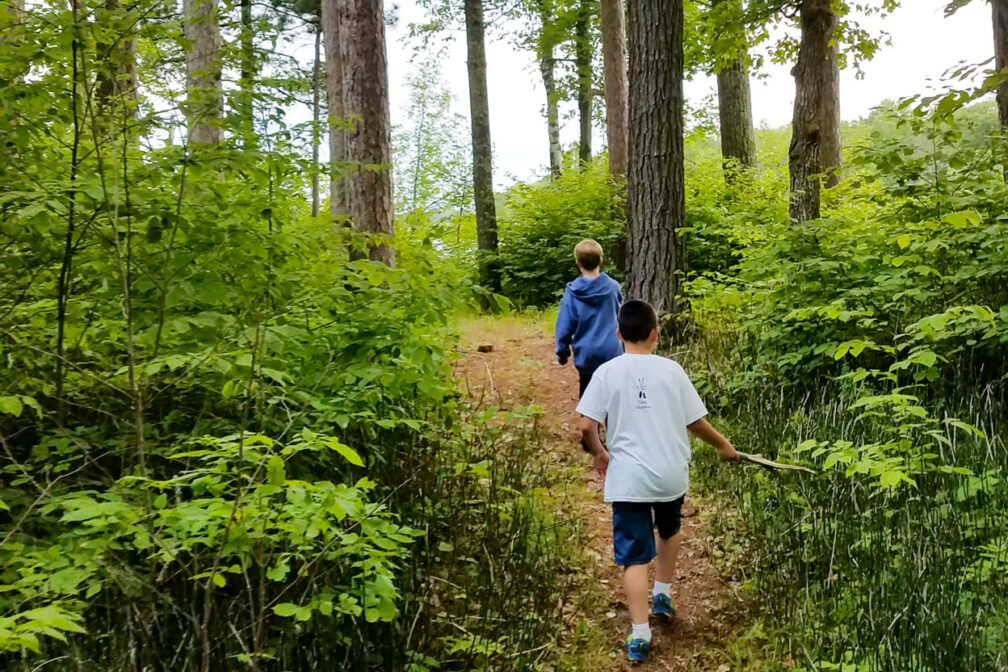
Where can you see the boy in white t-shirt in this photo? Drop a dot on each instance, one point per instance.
(649, 406)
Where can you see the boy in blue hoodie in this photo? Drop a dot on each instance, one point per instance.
(587, 319)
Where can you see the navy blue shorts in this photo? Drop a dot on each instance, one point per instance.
(633, 526)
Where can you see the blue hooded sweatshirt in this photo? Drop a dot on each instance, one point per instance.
(587, 322)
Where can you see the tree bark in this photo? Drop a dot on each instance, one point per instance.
(479, 111)
(999, 15)
(738, 140)
(656, 205)
(116, 76)
(583, 63)
(204, 105)
(815, 132)
(365, 99)
(338, 205)
(546, 48)
(546, 66)
(247, 74)
(615, 70)
(316, 114)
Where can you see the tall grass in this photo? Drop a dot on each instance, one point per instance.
(852, 575)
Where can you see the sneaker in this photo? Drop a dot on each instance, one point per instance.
(661, 605)
(637, 649)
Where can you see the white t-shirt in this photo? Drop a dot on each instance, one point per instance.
(646, 402)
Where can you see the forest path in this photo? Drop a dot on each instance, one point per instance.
(522, 370)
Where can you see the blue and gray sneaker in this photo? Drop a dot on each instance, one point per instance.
(662, 605)
(637, 649)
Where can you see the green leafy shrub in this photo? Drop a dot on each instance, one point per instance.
(871, 344)
(539, 225)
(225, 443)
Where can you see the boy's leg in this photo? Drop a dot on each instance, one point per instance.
(668, 520)
(635, 582)
(634, 548)
(584, 377)
(668, 556)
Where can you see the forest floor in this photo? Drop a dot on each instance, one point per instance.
(521, 370)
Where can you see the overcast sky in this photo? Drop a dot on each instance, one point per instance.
(924, 45)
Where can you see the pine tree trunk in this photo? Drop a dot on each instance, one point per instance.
(316, 118)
(999, 12)
(116, 76)
(815, 132)
(615, 70)
(583, 63)
(204, 104)
(479, 110)
(546, 48)
(656, 206)
(365, 99)
(546, 66)
(338, 206)
(247, 75)
(12, 34)
(738, 140)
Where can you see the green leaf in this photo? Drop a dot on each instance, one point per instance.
(219, 580)
(276, 472)
(347, 452)
(286, 609)
(278, 572)
(11, 406)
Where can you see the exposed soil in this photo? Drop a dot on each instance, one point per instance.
(521, 370)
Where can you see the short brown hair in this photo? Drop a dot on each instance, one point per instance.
(588, 254)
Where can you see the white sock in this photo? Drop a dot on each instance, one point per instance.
(641, 631)
(662, 589)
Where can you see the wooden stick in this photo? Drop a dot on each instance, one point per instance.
(770, 464)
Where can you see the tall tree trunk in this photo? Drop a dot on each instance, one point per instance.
(330, 18)
(546, 66)
(116, 76)
(11, 22)
(583, 62)
(615, 70)
(999, 11)
(365, 98)
(479, 112)
(815, 131)
(656, 205)
(546, 48)
(316, 115)
(204, 104)
(247, 74)
(738, 140)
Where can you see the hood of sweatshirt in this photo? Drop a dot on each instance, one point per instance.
(592, 291)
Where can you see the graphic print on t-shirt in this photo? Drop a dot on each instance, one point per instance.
(642, 400)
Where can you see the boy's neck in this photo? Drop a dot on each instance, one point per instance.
(643, 348)
(591, 275)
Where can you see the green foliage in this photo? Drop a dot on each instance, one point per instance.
(872, 345)
(907, 264)
(227, 442)
(539, 225)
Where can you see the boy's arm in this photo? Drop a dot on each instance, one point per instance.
(564, 332)
(703, 431)
(600, 456)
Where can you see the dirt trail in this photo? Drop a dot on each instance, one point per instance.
(521, 370)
